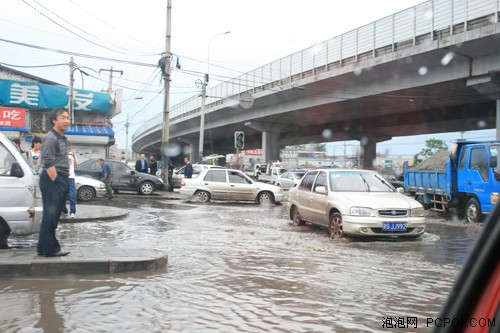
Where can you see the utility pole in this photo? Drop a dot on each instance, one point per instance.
(127, 124)
(72, 67)
(111, 71)
(202, 118)
(166, 91)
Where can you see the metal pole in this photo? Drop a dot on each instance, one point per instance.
(126, 142)
(203, 99)
(166, 81)
(202, 118)
(71, 91)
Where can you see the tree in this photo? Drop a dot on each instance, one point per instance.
(313, 147)
(432, 146)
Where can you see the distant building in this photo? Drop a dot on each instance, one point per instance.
(26, 100)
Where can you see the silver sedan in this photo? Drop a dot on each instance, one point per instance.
(289, 179)
(354, 202)
(229, 184)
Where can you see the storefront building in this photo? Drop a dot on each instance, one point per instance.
(25, 103)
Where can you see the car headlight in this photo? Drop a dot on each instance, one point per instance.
(102, 185)
(362, 211)
(417, 212)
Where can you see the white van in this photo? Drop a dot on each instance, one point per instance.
(20, 196)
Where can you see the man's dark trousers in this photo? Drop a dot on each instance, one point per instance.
(54, 194)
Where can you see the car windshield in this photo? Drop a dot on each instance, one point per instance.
(353, 181)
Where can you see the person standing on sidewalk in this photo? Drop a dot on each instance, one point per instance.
(188, 170)
(73, 163)
(106, 176)
(54, 183)
(141, 165)
(153, 165)
(34, 154)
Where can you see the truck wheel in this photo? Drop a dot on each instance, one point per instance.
(473, 212)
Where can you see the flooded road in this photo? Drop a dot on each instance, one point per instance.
(242, 268)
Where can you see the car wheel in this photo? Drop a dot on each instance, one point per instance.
(85, 193)
(335, 226)
(146, 188)
(203, 196)
(473, 212)
(265, 198)
(296, 218)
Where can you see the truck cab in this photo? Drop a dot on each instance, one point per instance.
(478, 175)
(20, 204)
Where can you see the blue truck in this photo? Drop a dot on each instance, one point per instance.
(469, 183)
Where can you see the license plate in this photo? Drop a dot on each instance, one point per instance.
(393, 226)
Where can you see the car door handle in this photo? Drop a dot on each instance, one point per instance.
(232, 185)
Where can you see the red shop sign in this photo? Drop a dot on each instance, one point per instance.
(12, 117)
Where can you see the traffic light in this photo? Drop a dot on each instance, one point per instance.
(239, 140)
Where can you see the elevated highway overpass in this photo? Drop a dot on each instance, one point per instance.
(431, 68)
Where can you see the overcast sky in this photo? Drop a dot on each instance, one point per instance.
(129, 36)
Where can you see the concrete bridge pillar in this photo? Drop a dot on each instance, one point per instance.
(368, 144)
(270, 140)
(368, 153)
(192, 151)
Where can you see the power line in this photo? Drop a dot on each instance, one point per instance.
(135, 63)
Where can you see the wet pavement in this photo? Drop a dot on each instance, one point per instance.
(24, 262)
(239, 267)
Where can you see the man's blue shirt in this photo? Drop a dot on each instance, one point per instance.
(106, 169)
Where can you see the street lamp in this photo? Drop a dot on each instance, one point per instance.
(203, 97)
(127, 124)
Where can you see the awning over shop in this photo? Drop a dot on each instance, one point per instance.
(19, 129)
(91, 130)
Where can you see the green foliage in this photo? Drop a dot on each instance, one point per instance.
(432, 146)
(313, 147)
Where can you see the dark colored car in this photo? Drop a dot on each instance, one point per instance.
(123, 177)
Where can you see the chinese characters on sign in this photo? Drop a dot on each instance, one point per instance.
(24, 94)
(33, 95)
(253, 152)
(12, 117)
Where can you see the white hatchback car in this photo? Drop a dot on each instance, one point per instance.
(88, 189)
(229, 184)
(356, 203)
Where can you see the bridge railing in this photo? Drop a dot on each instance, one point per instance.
(422, 23)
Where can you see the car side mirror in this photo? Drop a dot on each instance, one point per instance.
(400, 190)
(493, 161)
(16, 170)
(320, 189)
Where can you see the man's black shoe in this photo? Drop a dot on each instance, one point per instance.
(57, 254)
